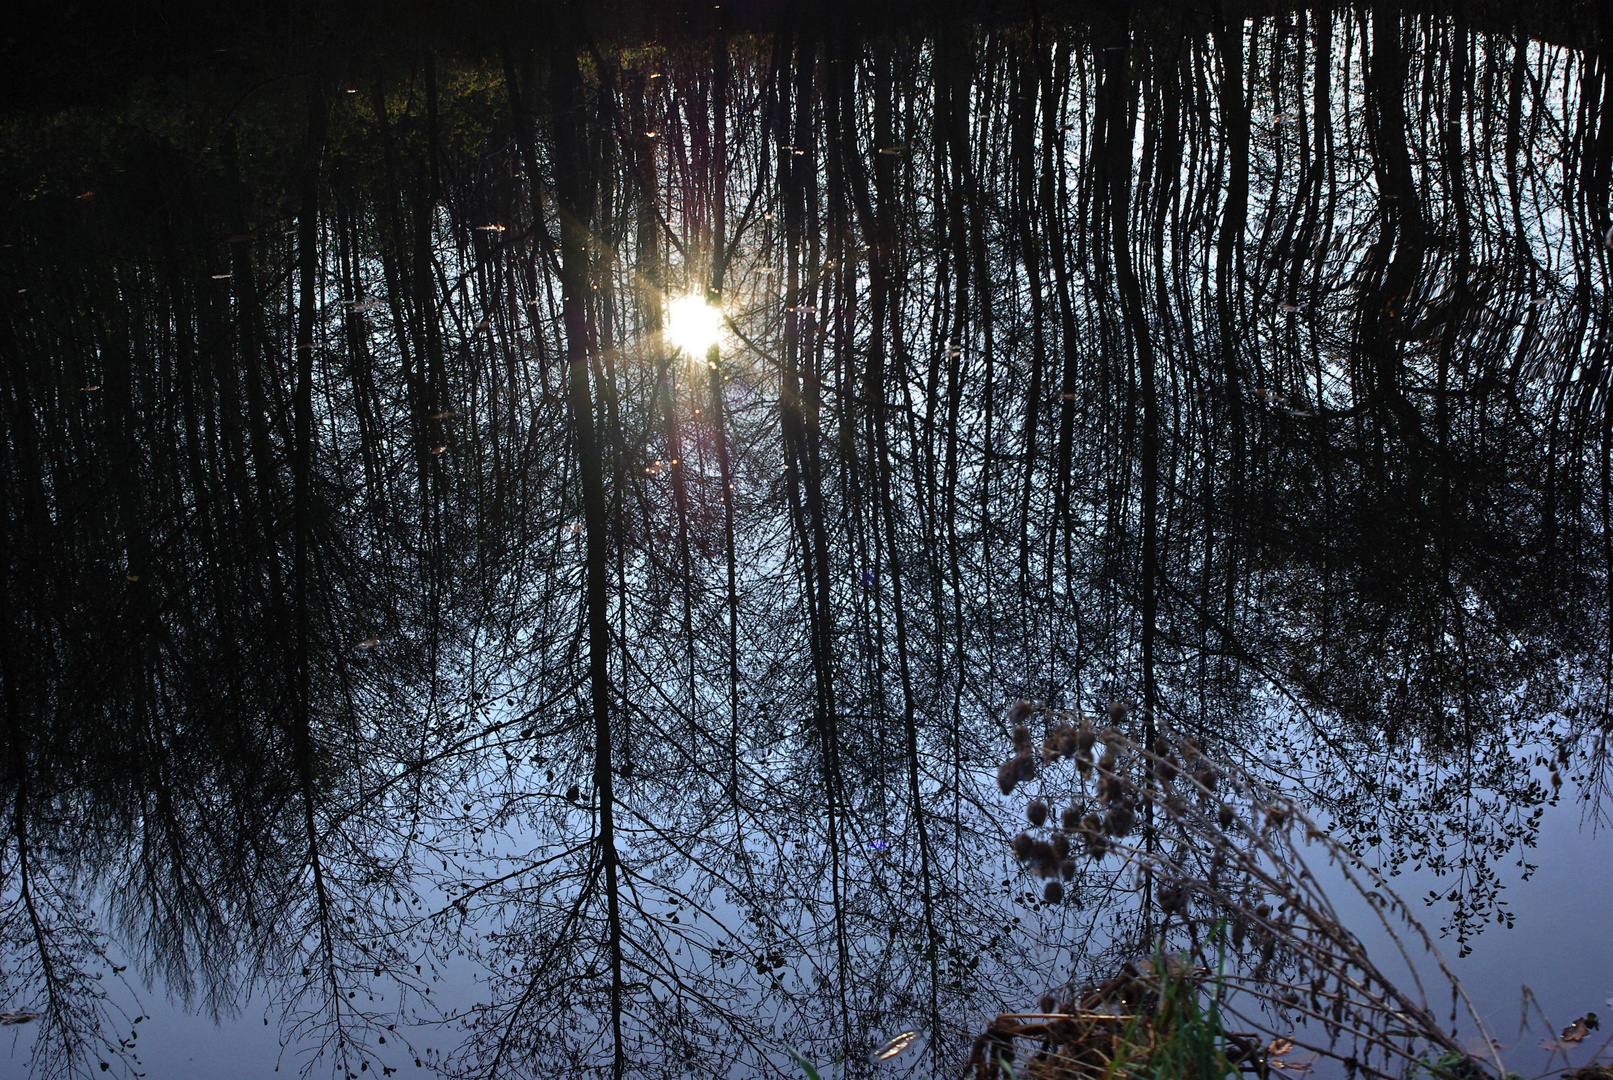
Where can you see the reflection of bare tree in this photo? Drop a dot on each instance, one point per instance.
(380, 585)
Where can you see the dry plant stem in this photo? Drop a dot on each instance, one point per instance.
(1232, 847)
(1364, 1036)
(1347, 862)
(1384, 889)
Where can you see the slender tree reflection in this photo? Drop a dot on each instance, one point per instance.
(381, 587)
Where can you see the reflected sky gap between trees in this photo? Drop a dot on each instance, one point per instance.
(380, 589)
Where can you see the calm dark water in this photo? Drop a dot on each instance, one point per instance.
(416, 646)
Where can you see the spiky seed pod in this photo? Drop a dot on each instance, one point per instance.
(1165, 768)
(1171, 898)
(1022, 710)
(1053, 892)
(1091, 824)
(1084, 740)
(1120, 819)
(1025, 766)
(1067, 869)
(1118, 710)
(1108, 761)
(1224, 815)
(1097, 844)
(1276, 815)
(1047, 1003)
(1061, 846)
(1084, 764)
(1207, 777)
(1022, 738)
(1070, 819)
(1023, 845)
(1113, 789)
(1240, 927)
(1263, 911)
(1041, 860)
(1036, 813)
(1008, 775)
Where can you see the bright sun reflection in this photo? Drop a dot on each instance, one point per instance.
(692, 325)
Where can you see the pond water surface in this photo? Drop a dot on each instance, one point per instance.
(422, 650)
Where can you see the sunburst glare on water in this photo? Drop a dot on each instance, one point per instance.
(692, 325)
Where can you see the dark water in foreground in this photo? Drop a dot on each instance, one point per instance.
(416, 646)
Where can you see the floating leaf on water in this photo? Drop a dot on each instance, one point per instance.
(1580, 1028)
(221, 277)
(369, 643)
(894, 1046)
(1279, 1045)
(438, 449)
(92, 386)
(490, 228)
(17, 1016)
(132, 578)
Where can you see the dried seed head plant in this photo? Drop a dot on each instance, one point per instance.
(1228, 904)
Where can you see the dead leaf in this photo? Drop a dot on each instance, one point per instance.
(1280, 1045)
(1580, 1028)
(17, 1016)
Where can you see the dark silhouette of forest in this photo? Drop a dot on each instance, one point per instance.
(380, 588)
